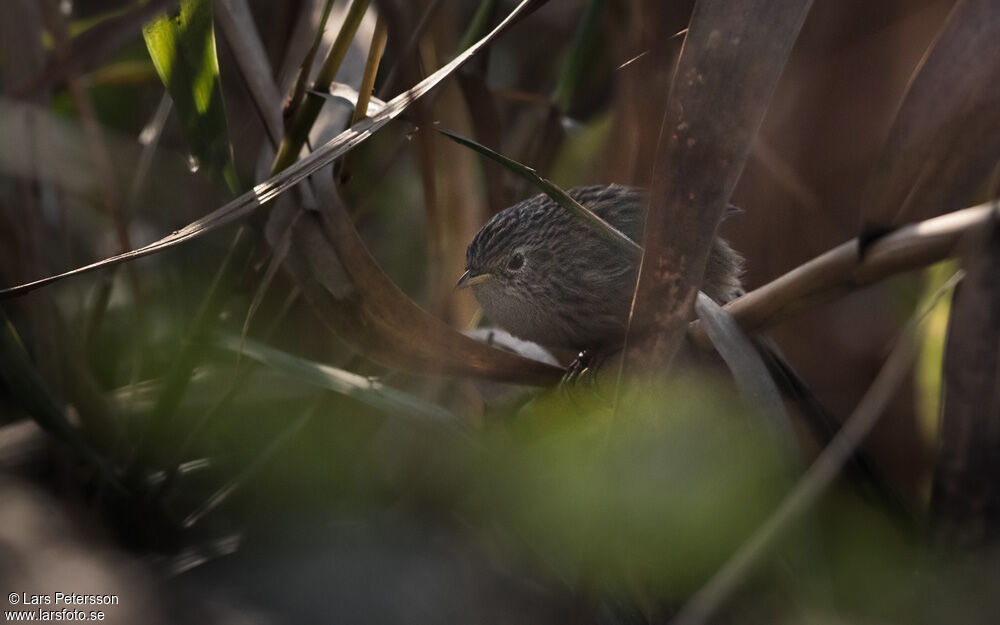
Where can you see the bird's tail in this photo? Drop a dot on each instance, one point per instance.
(824, 426)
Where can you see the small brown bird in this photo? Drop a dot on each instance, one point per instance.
(546, 277)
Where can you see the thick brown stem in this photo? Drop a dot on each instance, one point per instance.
(717, 102)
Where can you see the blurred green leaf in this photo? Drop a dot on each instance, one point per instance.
(662, 497)
(182, 46)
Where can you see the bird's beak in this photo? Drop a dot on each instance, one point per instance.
(470, 279)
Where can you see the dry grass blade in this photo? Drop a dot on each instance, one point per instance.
(734, 52)
(820, 475)
(943, 143)
(749, 372)
(281, 182)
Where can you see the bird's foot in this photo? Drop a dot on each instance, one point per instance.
(582, 369)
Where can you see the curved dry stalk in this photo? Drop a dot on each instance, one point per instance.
(844, 269)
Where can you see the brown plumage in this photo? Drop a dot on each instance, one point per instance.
(545, 276)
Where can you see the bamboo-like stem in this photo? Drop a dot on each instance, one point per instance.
(299, 91)
(844, 269)
(371, 70)
(306, 114)
(375, 51)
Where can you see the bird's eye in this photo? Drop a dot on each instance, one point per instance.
(516, 262)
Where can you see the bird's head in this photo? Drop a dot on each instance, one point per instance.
(508, 256)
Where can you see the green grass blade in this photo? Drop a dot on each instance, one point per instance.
(182, 46)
